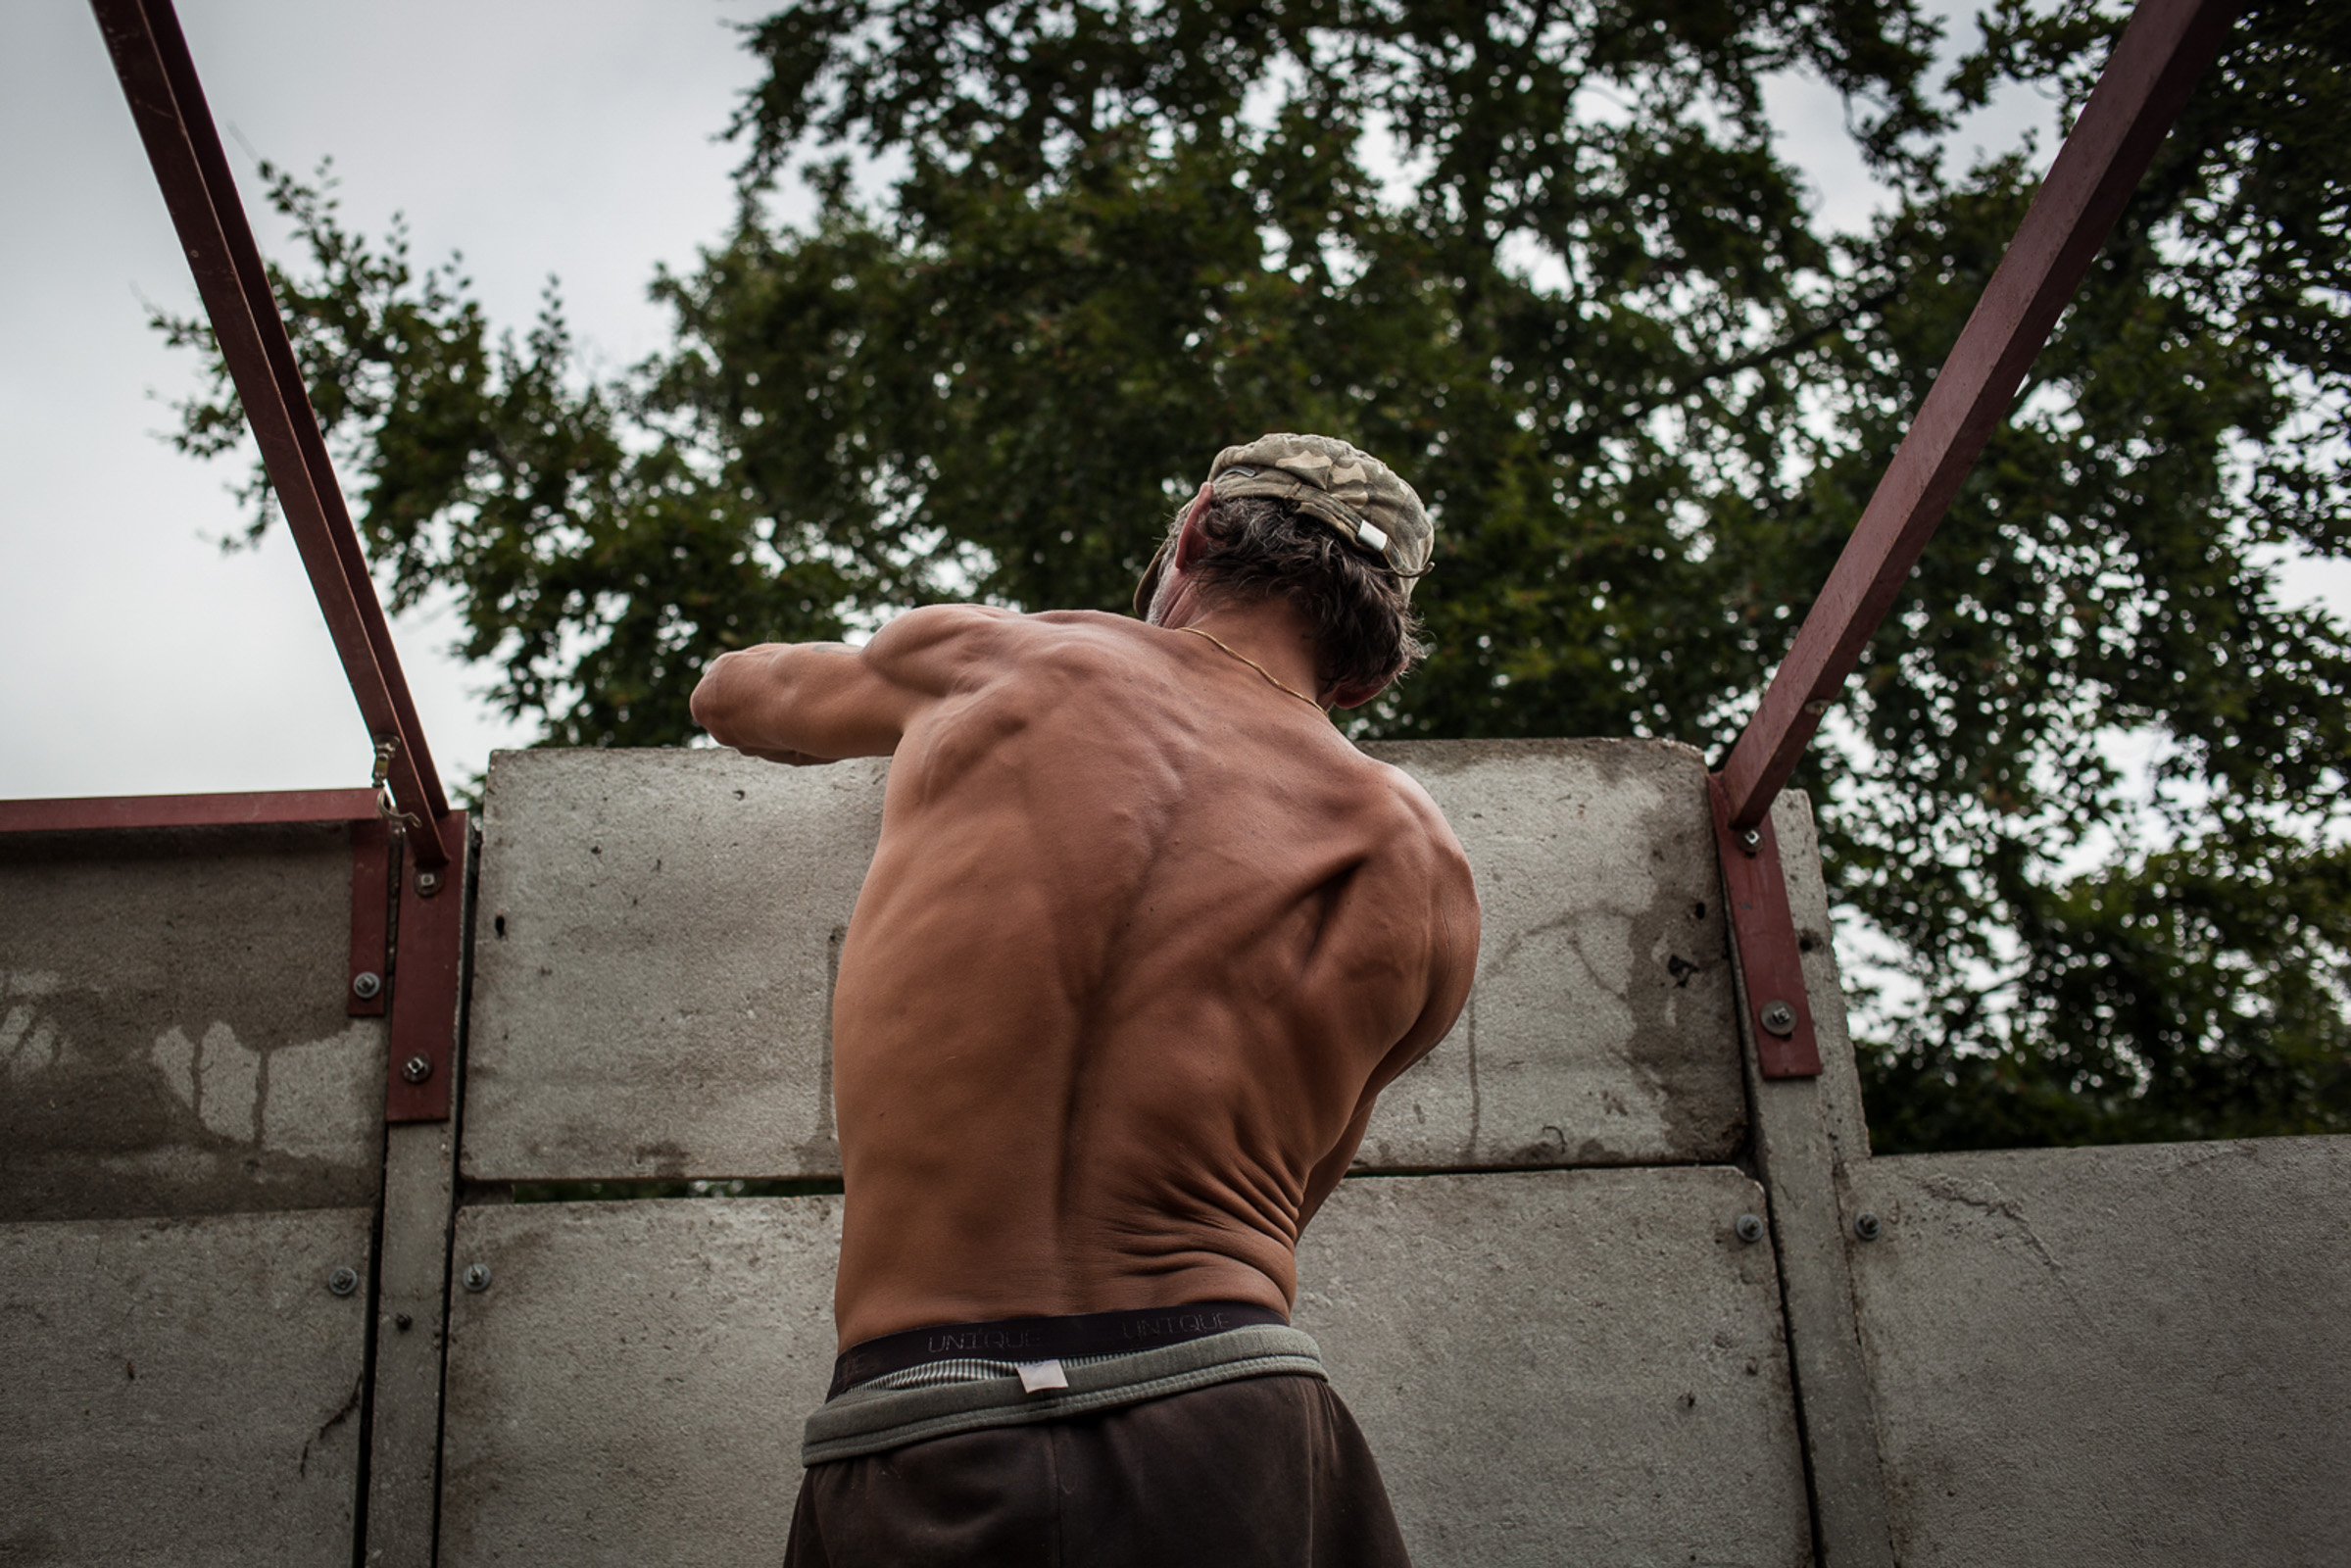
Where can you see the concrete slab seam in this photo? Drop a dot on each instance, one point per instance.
(1797, 1161)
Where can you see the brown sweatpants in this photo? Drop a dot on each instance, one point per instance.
(1266, 1472)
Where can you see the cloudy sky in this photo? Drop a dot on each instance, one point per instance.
(573, 138)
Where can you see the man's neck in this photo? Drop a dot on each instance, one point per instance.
(1269, 633)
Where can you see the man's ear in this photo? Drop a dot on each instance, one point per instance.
(1357, 693)
(1192, 540)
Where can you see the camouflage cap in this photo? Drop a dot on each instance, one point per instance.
(1359, 496)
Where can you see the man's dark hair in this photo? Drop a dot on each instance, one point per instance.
(1260, 549)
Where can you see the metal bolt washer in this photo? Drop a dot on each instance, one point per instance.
(476, 1277)
(416, 1070)
(1866, 1227)
(343, 1281)
(1749, 1228)
(1779, 1019)
(366, 983)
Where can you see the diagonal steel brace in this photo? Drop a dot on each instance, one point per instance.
(167, 103)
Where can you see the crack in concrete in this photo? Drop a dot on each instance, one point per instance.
(349, 1408)
(1469, 1012)
(1951, 1189)
(821, 1150)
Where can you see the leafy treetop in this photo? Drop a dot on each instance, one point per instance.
(1547, 261)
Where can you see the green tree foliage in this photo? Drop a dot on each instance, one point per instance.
(1545, 260)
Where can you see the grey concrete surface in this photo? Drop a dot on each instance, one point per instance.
(1564, 1366)
(1601, 1030)
(654, 945)
(2095, 1356)
(629, 1389)
(1805, 1129)
(657, 933)
(172, 1038)
(403, 1454)
(181, 1391)
(1578, 1366)
(1844, 1122)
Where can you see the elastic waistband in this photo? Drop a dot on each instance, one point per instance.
(875, 1418)
(1043, 1339)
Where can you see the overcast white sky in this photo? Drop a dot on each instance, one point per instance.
(573, 138)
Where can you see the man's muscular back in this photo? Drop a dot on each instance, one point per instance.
(1143, 938)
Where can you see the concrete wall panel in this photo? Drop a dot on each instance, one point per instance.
(1564, 1367)
(172, 1037)
(2091, 1357)
(181, 1392)
(658, 932)
(654, 947)
(1556, 1367)
(629, 1389)
(1600, 1031)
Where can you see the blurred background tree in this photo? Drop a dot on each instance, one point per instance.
(2083, 802)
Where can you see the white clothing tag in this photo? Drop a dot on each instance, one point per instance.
(1041, 1377)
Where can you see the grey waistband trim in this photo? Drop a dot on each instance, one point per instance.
(873, 1420)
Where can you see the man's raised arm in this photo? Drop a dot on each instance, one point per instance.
(805, 702)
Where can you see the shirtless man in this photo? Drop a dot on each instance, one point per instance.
(1144, 938)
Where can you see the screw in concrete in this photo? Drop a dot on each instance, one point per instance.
(1866, 1226)
(476, 1277)
(1749, 1228)
(343, 1281)
(365, 984)
(1780, 1018)
(416, 1070)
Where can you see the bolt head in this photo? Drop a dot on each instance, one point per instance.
(1752, 840)
(1778, 1018)
(476, 1277)
(428, 883)
(343, 1281)
(416, 1070)
(1866, 1226)
(366, 983)
(1749, 1228)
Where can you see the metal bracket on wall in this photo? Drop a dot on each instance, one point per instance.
(1769, 960)
(367, 988)
(428, 956)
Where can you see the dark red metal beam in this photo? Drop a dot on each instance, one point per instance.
(1771, 956)
(2154, 66)
(167, 102)
(429, 966)
(375, 862)
(86, 813)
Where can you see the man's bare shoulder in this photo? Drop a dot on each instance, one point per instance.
(927, 626)
(932, 627)
(1413, 813)
(939, 648)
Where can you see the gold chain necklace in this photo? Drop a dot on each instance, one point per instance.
(1253, 664)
